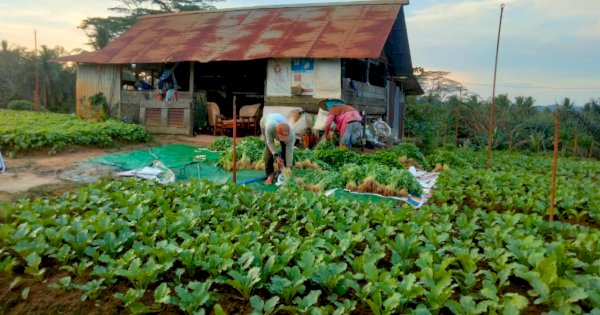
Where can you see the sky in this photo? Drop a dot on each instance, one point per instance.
(549, 49)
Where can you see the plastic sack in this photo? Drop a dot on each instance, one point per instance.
(166, 176)
(2, 166)
(321, 120)
(302, 124)
(381, 128)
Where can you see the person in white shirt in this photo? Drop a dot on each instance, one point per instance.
(276, 127)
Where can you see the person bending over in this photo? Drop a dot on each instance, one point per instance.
(275, 127)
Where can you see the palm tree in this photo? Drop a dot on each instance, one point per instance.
(592, 107)
(567, 104)
(524, 105)
(56, 86)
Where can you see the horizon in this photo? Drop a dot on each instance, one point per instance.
(547, 48)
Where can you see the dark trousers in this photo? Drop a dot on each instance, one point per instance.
(269, 159)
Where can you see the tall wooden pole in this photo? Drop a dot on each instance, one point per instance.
(494, 91)
(36, 93)
(234, 142)
(554, 162)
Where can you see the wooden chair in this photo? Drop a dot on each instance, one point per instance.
(249, 117)
(216, 120)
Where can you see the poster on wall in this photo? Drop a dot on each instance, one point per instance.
(303, 64)
(278, 77)
(328, 78)
(303, 74)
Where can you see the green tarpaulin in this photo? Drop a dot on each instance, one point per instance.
(187, 163)
(172, 155)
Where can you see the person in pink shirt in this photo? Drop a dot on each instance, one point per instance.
(347, 122)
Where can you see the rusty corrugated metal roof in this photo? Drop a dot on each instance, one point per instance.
(342, 30)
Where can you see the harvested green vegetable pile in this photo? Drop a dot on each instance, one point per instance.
(249, 154)
(328, 166)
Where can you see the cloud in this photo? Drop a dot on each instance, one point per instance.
(442, 12)
(590, 30)
(557, 8)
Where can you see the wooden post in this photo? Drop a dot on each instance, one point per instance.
(553, 189)
(192, 78)
(36, 93)
(234, 144)
(364, 130)
(494, 92)
(192, 115)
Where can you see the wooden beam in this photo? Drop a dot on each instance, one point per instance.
(192, 77)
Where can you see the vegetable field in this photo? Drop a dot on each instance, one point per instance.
(521, 184)
(481, 246)
(21, 131)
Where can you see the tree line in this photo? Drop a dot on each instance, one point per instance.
(18, 75)
(449, 115)
(57, 80)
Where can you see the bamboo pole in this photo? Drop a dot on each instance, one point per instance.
(494, 91)
(554, 162)
(234, 142)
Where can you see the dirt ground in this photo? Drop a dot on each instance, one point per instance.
(38, 174)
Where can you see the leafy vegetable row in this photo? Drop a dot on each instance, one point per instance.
(187, 244)
(520, 189)
(21, 131)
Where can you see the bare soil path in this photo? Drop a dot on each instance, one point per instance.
(37, 174)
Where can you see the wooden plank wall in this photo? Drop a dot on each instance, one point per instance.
(94, 78)
(306, 102)
(167, 117)
(370, 98)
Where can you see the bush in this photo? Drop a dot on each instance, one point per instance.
(20, 105)
(23, 131)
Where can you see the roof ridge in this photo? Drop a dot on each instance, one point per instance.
(280, 6)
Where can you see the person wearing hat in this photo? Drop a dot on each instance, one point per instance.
(276, 127)
(347, 121)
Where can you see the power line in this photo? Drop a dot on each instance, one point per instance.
(536, 87)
